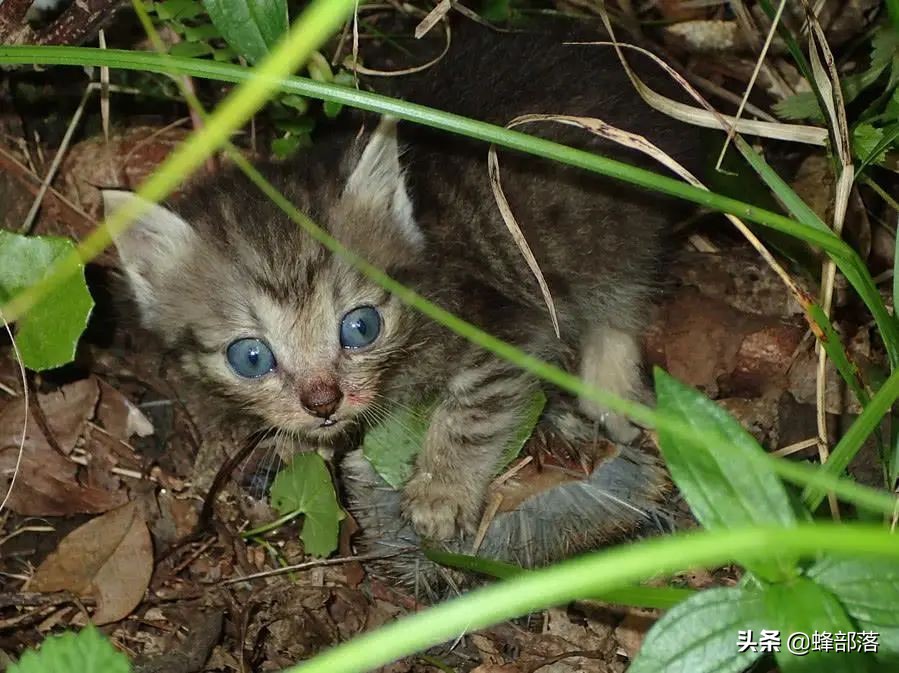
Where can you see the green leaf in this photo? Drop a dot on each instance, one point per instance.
(86, 652)
(727, 482)
(198, 33)
(305, 486)
(884, 47)
(319, 69)
(296, 125)
(866, 141)
(190, 49)
(227, 54)
(290, 144)
(528, 422)
(332, 109)
(869, 591)
(391, 446)
(802, 607)
(298, 103)
(496, 10)
(178, 9)
(700, 635)
(250, 27)
(48, 335)
(804, 105)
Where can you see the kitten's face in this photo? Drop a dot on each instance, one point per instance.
(260, 312)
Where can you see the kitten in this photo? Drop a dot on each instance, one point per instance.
(299, 339)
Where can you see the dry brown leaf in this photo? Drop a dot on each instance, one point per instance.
(632, 630)
(120, 418)
(47, 483)
(110, 558)
(67, 412)
(494, 668)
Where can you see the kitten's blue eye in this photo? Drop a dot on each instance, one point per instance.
(360, 327)
(250, 358)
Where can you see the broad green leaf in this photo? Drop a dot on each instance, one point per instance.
(250, 27)
(802, 607)
(702, 634)
(391, 446)
(305, 486)
(869, 591)
(727, 483)
(86, 652)
(48, 335)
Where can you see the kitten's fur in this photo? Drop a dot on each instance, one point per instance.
(230, 264)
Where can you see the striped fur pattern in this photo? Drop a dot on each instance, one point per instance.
(225, 263)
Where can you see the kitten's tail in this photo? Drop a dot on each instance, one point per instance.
(624, 496)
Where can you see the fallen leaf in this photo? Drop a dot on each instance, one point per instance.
(110, 558)
(120, 418)
(632, 630)
(46, 483)
(67, 411)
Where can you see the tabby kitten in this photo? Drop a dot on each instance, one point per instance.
(300, 340)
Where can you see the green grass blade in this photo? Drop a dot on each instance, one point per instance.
(846, 259)
(662, 598)
(590, 575)
(852, 441)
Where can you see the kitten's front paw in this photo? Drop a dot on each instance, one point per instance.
(439, 509)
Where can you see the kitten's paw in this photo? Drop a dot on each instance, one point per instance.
(440, 509)
(619, 428)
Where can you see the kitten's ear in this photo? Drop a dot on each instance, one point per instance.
(151, 249)
(377, 181)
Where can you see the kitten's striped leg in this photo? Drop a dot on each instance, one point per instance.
(484, 406)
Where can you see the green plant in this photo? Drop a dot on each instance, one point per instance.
(48, 336)
(86, 652)
(876, 129)
(228, 30)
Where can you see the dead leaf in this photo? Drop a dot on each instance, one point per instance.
(110, 558)
(47, 483)
(494, 668)
(120, 418)
(816, 185)
(632, 630)
(67, 411)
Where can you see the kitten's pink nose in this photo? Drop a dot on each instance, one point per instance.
(321, 397)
